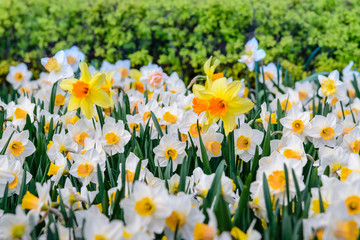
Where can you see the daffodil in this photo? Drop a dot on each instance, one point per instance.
(220, 101)
(86, 92)
(210, 69)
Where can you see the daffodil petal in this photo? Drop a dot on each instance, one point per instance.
(100, 98)
(87, 108)
(85, 72)
(74, 103)
(240, 106)
(229, 122)
(67, 84)
(233, 89)
(98, 80)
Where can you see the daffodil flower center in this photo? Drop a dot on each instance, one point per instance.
(276, 180)
(20, 113)
(70, 60)
(327, 133)
(52, 65)
(347, 230)
(353, 204)
(213, 147)
(217, 106)
(145, 207)
(285, 104)
(170, 118)
(135, 126)
(243, 143)
(194, 130)
(80, 138)
(124, 72)
(17, 231)
(84, 170)
(112, 139)
(302, 95)
(298, 126)
(155, 79)
(14, 183)
(171, 153)
(355, 146)
(59, 100)
(16, 148)
(268, 76)
(316, 205)
(100, 237)
(203, 231)
(175, 221)
(53, 169)
(81, 89)
(18, 76)
(328, 87)
(289, 153)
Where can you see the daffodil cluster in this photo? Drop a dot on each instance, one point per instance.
(114, 152)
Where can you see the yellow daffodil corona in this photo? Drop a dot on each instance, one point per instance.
(86, 91)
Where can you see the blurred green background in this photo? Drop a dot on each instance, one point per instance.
(181, 35)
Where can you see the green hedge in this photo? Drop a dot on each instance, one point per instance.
(180, 35)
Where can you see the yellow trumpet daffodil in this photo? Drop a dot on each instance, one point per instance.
(220, 100)
(86, 91)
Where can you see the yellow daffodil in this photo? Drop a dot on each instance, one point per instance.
(219, 100)
(86, 91)
(210, 69)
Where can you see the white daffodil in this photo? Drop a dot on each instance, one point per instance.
(335, 158)
(246, 139)
(58, 67)
(332, 88)
(85, 166)
(19, 146)
(324, 130)
(73, 57)
(15, 226)
(296, 123)
(212, 142)
(114, 137)
(169, 148)
(18, 75)
(253, 54)
(147, 206)
(183, 217)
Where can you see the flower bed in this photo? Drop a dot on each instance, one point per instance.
(121, 153)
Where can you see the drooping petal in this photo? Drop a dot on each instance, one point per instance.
(87, 108)
(67, 84)
(74, 103)
(85, 72)
(100, 98)
(229, 122)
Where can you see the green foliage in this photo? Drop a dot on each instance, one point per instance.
(180, 35)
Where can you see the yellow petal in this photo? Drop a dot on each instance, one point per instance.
(240, 106)
(74, 103)
(200, 92)
(87, 108)
(229, 122)
(98, 80)
(219, 86)
(233, 89)
(67, 84)
(100, 98)
(85, 72)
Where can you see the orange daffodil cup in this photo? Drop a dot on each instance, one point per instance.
(87, 91)
(219, 99)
